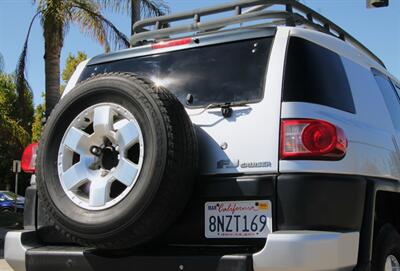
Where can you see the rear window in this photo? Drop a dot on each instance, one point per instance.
(316, 75)
(224, 73)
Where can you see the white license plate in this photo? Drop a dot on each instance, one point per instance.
(238, 219)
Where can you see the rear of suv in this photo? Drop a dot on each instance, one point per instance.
(269, 146)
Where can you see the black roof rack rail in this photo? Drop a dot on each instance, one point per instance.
(294, 13)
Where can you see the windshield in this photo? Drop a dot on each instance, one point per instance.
(8, 195)
(223, 73)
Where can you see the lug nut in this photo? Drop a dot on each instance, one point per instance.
(95, 150)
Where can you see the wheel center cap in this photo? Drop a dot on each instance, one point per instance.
(109, 158)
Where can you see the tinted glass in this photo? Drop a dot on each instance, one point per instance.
(8, 195)
(316, 75)
(397, 89)
(390, 97)
(231, 72)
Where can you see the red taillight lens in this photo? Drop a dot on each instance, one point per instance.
(28, 160)
(312, 139)
(171, 43)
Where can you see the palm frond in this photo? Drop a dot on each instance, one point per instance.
(120, 6)
(95, 24)
(21, 82)
(90, 25)
(150, 8)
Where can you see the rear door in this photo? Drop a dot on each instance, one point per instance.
(243, 70)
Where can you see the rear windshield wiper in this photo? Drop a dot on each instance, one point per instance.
(226, 108)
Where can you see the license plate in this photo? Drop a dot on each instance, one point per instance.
(238, 219)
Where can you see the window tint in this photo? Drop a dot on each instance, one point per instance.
(7, 196)
(397, 89)
(316, 75)
(390, 97)
(222, 73)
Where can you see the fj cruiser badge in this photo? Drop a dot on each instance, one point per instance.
(255, 164)
(227, 164)
(235, 164)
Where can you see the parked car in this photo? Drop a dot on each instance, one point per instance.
(10, 202)
(217, 145)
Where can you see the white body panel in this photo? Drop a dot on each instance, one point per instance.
(372, 148)
(251, 132)
(248, 141)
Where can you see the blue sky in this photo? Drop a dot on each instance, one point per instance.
(378, 29)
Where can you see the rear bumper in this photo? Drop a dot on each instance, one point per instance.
(284, 250)
(308, 250)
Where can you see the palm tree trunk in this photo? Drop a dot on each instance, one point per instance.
(135, 13)
(53, 39)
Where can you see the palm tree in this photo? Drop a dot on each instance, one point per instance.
(56, 17)
(137, 8)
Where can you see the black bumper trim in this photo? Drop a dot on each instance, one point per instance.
(80, 259)
(325, 202)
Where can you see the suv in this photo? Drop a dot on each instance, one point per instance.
(10, 202)
(267, 139)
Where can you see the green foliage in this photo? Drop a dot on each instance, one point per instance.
(71, 63)
(37, 124)
(15, 125)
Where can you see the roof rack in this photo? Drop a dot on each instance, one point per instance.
(293, 13)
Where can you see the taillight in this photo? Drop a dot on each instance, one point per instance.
(28, 160)
(312, 139)
(171, 43)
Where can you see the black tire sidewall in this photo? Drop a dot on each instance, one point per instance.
(133, 97)
(387, 243)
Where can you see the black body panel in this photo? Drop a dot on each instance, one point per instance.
(320, 202)
(374, 185)
(188, 230)
(325, 202)
(78, 259)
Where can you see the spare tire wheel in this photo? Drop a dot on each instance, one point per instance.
(116, 162)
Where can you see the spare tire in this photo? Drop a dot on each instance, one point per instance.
(116, 162)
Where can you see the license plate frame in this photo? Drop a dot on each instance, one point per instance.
(238, 219)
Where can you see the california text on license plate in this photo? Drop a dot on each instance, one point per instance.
(238, 219)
